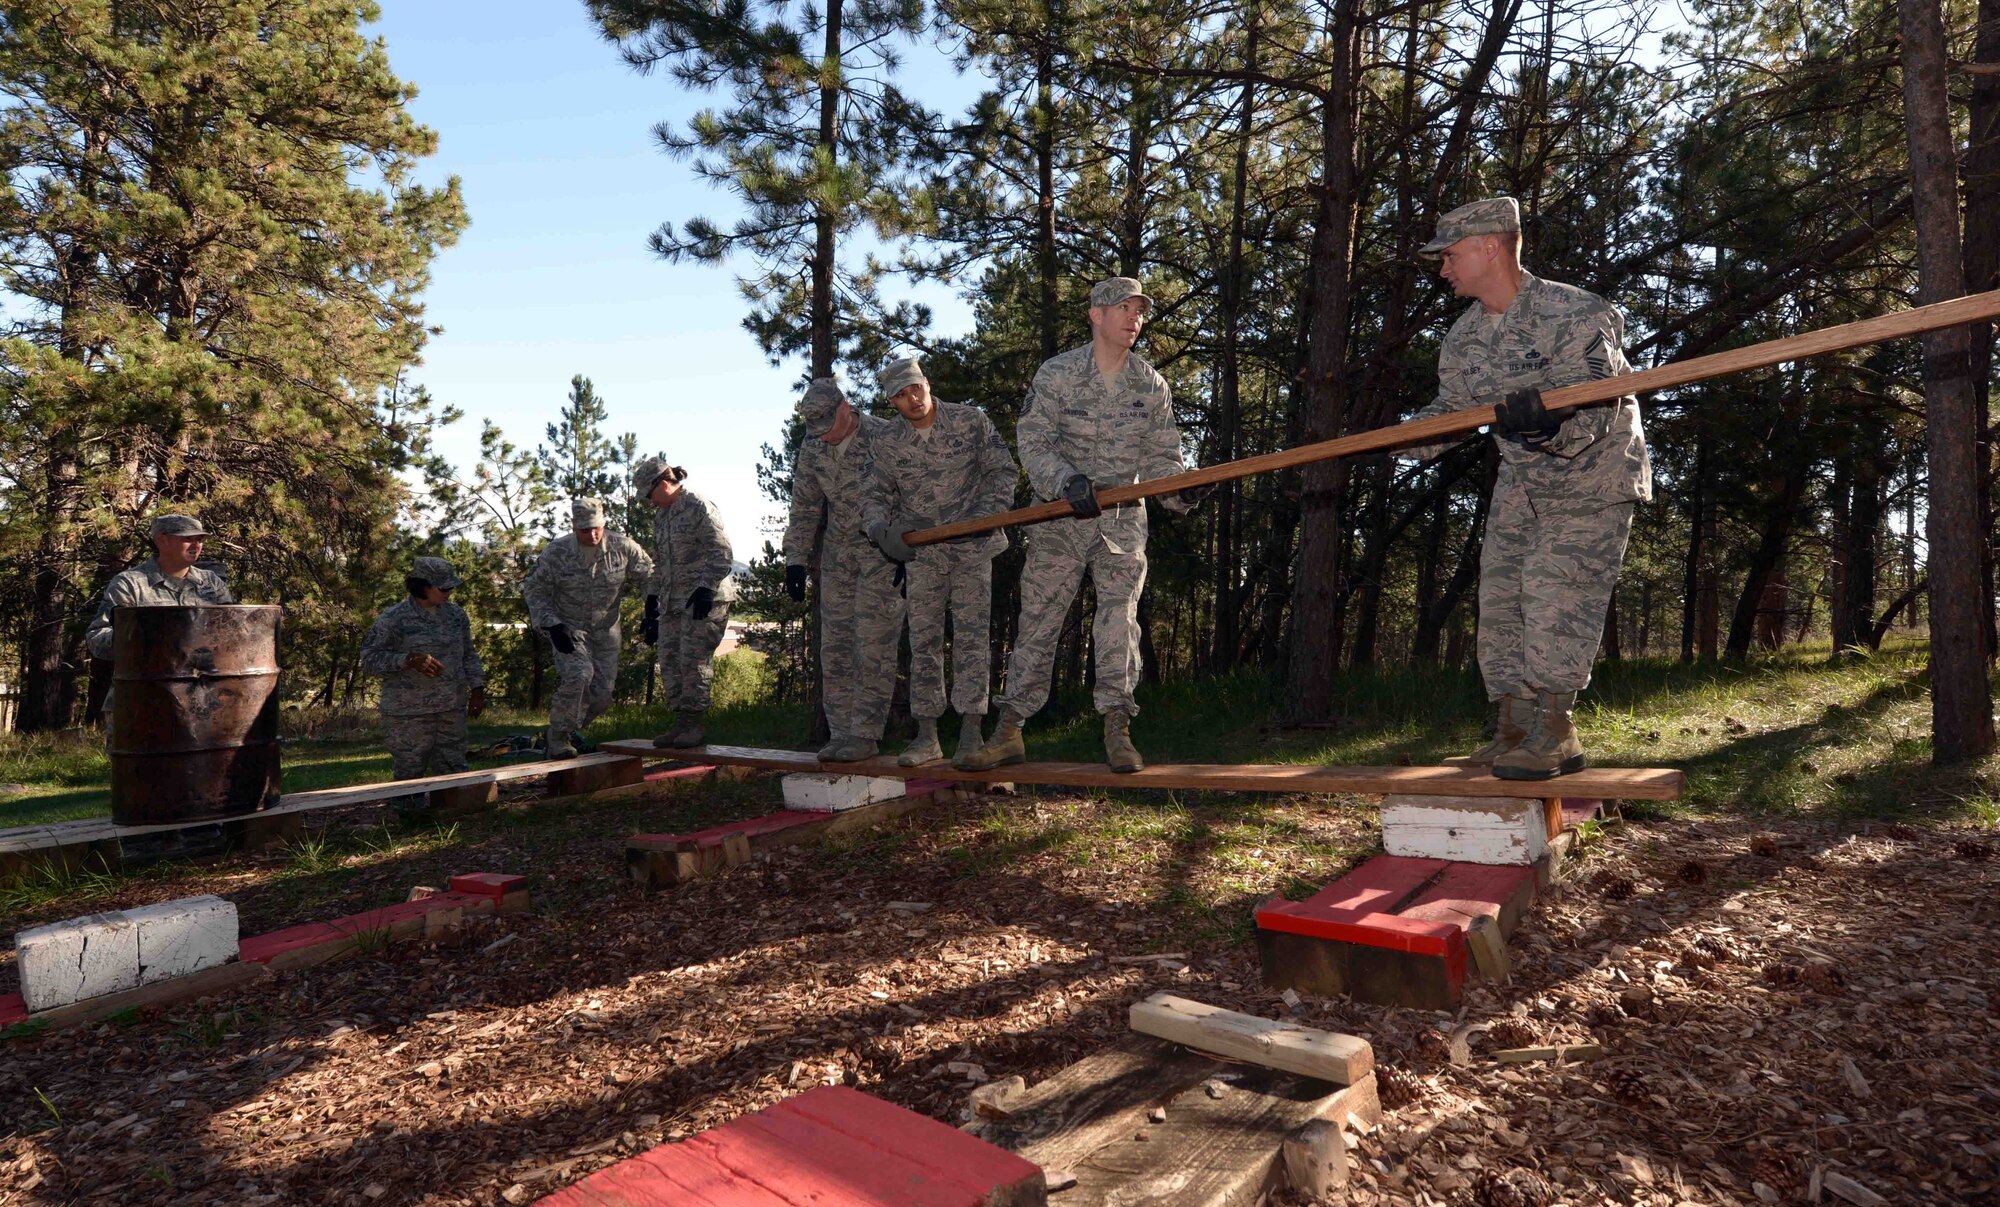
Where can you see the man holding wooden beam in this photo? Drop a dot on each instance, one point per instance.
(1096, 416)
(1568, 483)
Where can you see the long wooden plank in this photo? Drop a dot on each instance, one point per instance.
(97, 829)
(1954, 313)
(1273, 1043)
(1618, 783)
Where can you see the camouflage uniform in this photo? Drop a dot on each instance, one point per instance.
(861, 610)
(578, 585)
(955, 469)
(1560, 515)
(423, 716)
(690, 551)
(146, 586)
(1116, 432)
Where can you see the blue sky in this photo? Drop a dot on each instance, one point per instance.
(549, 131)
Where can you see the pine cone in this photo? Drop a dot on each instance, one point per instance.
(1776, 1170)
(1717, 951)
(1397, 1087)
(1512, 1188)
(1694, 871)
(1783, 976)
(1628, 1085)
(1764, 847)
(1512, 1033)
(1971, 848)
(1430, 1049)
(1902, 833)
(1826, 978)
(1613, 887)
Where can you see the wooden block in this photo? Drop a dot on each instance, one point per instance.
(1489, 951)
(441, 923)
(612, 773)
(209, 981)
(1211, 1150)
(660, 861)
(837, 793)
(1316, 1159)
(1552, 815)
(262, 832)
(464, 799)
(735, 850)
(1274, 1044)
(1470, 890)
(829, 1145)
(1384, 975)
(1465, 829)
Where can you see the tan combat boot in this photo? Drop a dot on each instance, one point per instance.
(1514, 715)
(1552, 747)
(1119, 752)
(969, 726)
(1004, 747)
(559, 746)
(686, 731)
(848, 750)
(925, 748)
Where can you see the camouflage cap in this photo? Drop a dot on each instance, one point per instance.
(821, 403)
(649, 471)
(177, 525)
(586, 513)
(899, 374)
(436, 571)
(1113, 290)
(1493, 216)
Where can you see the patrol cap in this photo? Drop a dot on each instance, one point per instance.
(586, 513)
(177, 525)
(436, 571)
(821, 402)
(1113, 290)
(899, 374)
(1493, 216)
(647, 472)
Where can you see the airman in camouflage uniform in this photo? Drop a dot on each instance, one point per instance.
(171, 578)
(860, 608)
(573, 596)
(692, 581)
(945, 462)
(1096, 416)
(431, 675)
(1568, 484)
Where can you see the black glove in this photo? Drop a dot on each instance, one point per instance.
(700, 602)
(559, 637)
(1082, 499)
(901, 578)
(1523, 419)
(1191, 496)
(890, 542)
(795, 583)
(649, 627)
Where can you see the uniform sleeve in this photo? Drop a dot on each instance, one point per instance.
(881, 499)
(994, 486)
(217, 591)
(539, 589)
(808, 505)
(1162, 454)
(642, 566)
(1586, 348)
(470, 667)
(717, 559)
(380, 654)
(1035, 436)
(1453, 395)
(98, 637)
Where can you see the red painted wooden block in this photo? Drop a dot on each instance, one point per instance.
(828, 1147)
(488, 884)
(678, 773)
(1471, 890)
(13, 1009)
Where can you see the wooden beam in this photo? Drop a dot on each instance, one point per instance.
(1954, 313)
(1288, 1047)
(1659, 783)
(661, 861)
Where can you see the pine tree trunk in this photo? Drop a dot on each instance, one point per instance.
(1691, 567)
(1982, 273)
(1774, 535)
(1315, 646)
(1224, 641)
(823, 218)
(1961, 698)
(1045, 184)
(1856, 615)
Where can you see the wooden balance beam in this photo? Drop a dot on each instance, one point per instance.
(1608, 783)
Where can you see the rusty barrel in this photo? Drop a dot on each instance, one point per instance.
(194, 714)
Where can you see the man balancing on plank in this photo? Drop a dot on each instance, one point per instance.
(1568, 483)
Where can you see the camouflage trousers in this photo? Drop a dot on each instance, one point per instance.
(1546, 570)
(687, 654)
(585, 678)
(431, 743)
(1059, 554)
(958, 579)
(860, 618)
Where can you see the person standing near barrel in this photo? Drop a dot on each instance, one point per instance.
(431, 675)
(573, 597)
(168, 579)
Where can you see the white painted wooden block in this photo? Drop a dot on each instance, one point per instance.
(180, 937)
(1467, 829)
(66, 962)
(824, 793)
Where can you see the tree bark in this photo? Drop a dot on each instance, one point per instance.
(1982, 272)
(823, 215)
(1961, 699)
(1787, 495)
(1045, 184)
(1224, 641)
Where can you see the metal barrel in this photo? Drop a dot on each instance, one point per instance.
(194, 715)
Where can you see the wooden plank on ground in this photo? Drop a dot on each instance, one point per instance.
(1216, 1147)
(660, 861)
(1635, 783)
(1326, 1055)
